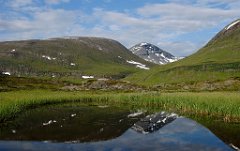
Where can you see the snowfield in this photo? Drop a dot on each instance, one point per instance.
(232, 24)
(87, 77)
(6, 73)
(138, 64)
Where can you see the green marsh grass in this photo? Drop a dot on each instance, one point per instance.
(218, 105)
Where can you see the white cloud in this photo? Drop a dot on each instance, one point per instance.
(42, 24)
(162, 23)
(190, 12)
(216, 2)
(114, 27)
(56, 1)
(205, 3)
(19, 3)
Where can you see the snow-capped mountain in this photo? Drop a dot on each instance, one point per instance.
(152, 53)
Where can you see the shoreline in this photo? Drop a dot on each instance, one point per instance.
(216, 105)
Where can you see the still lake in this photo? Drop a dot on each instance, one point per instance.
(78, 126)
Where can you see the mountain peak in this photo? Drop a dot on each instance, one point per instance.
(144, 44)
(152, 53)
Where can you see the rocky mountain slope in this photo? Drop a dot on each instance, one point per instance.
(152, 53)
(83, 57)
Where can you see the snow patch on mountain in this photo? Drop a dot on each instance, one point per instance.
(99, 48)
(143, 44)
(232, 24)
(48, 57)
(6, 73)
(142, 67)
(87, 77)
(138, 64)
(134, 62)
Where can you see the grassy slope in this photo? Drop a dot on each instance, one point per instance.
(218, 60)
(97, 56)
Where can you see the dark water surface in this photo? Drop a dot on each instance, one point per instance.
(84, 127)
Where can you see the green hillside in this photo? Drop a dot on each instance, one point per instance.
(67, 57)
(218, 61)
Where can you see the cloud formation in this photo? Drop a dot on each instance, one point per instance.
(163, 24)
(56, 1)
(19, 3)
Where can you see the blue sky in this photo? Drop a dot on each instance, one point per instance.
(180, 27)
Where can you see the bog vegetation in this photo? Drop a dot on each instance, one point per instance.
(224, 106)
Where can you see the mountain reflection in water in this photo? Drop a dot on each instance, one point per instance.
(82, 127)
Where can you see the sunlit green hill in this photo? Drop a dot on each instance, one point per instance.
(67, 57)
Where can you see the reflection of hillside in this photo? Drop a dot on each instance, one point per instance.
(182, 134)
(71, 124)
